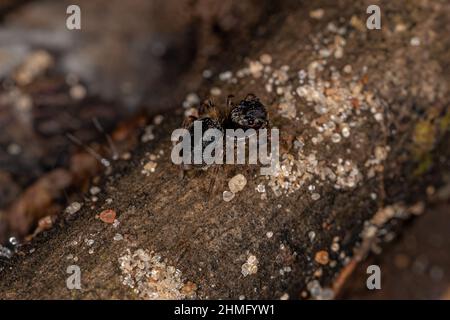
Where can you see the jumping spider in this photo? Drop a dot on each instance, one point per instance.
(249, 113)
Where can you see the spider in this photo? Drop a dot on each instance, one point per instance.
(249, 113)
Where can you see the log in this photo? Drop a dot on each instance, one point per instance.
(362, 114)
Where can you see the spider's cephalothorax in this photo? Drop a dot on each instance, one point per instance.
(209, 118)
(249, 113)
(206, 124)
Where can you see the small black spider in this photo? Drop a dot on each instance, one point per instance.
(249, 113)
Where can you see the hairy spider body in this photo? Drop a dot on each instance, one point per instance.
(249, 113)
(210, 118)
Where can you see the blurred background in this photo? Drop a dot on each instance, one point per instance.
(60, 88)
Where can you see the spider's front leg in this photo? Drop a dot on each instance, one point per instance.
(251, 97)
(212, 181)
(187, 122)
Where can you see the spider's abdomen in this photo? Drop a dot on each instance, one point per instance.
(249, 114)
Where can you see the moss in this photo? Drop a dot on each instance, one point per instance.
(426, 132)
(424, 137)
(444, 123)
(424, 165)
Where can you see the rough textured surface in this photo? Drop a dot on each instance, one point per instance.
(396, 97)
(128, 58)
(415, 266)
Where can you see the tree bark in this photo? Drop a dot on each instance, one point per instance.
(396, 97)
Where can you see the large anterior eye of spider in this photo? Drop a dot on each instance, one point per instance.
(249, 114)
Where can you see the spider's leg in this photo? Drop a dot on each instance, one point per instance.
(205, 106)
(212, 181)
(230, 101)
(188, 121)
(228, 106)
(251, 97)
(182, 173)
